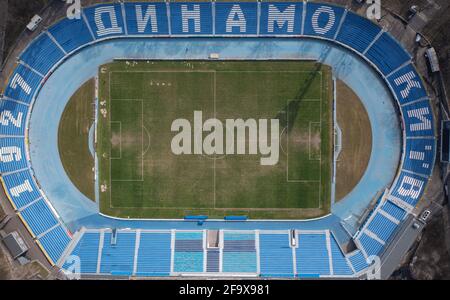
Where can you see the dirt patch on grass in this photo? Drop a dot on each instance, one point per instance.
(356, 140)
(115, 140)
(73, 139)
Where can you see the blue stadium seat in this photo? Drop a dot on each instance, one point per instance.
(312, 255)
(242, 15)
(275, 255)
(42, 54)
(39, 217)
(154, 254)
(418, 118)
(118, 258)
(420, 155)
(188, 255)
(340, 265)
(357, 32)
(87, 250)
(382, 227)
(370, 245)
(21, 188)
(387, 54)
(105, 20)
(286, 18)
(239, 252)
(55, 242)
(239, 262)
(407, 85)
(358, 261)
(198, 18)
(13, 116)
(23, 84)
(322, 20)
(136, 16)
(71, 34)
(213, 260)
(12, 154)
(394, 210)
(409, 188)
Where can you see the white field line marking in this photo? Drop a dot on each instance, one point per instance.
(311, 157)
(215, 72)
(120, 140)
(142, 143)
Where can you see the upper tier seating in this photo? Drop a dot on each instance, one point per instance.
(292, 11)
(189, 252)
(21, 188)
(340, 265)
(105, 20)
(198, 18)
(370, 245)
(12, 154)
(118, 259)
(42, 54)
(13, 116)
(55, 242)
(394, 210)
(239, 252)
(407, 85)
(275, 255)
(137, 23)
(39, 217)
(23, 84)
(154, 254)
(387, 54)
(87, 250)
(409, 188)
(312, 255)
(358, 261)
(418, 118)
(420, 155)
(322, 20)
(382, 227)
(243, 15)
(71, 34)
(357, 32)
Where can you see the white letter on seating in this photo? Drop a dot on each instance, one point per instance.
(331, 19)
(9, 154)
(101, 29)
(420, 113)
(281, 17)
(408, 78)
(181, 143)
(410, 187)
(19, 81)
(6, 116)
(239, 22)
(142, 21)
(24, 187)
(187, 15)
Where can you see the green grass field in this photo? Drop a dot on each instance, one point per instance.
(141, 177)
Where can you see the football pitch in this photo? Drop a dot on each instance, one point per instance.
(215, 138)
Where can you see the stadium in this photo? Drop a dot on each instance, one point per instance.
(341, 94)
